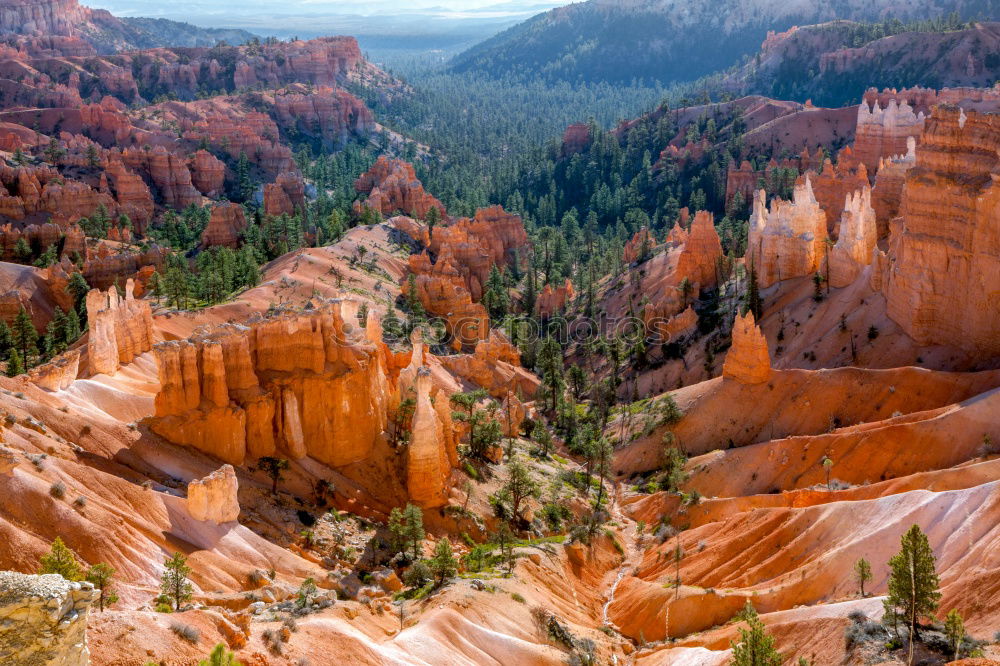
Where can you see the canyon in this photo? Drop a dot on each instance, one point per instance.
(384, 420)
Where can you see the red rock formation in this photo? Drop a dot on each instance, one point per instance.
(944, 268)
(225, 226)
(208, 173)
(102, 270)
(832, 185)
(330, 115)
(284, 196)
(293, 384)
(575, 139)
(427, 463)
(169, 173)
(441, 288)
(748, 361)
(882, 132)
(858, 236)
(640, 245)
(130, 191)
(119, 329)
(554, 301)
(789, 240)
(888, 191)
(701, 251)
(495, 365)
(392, 185)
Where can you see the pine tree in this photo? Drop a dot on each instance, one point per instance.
(175, 583)
(220, 656)
(6, 340)
(102, 575)
(496, 298)
(78, 287)
(862, 573)
(273, 467)
(756, 646)
(754, 303)
(443, 564)
(433, 217)
(61, 560)
(413, 534)
(954, 629)
(72, 327)
(913, 582)
(15, 366)
(25, 337)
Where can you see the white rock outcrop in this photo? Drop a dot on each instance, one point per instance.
(215, 497)
(43, 620)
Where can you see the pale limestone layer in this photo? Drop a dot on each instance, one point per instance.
(215, 497)
(858, 237)
(789, 239)
(43, 620)
(119, 328)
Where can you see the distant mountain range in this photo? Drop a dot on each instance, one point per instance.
(381, 24)
(673, 40)
(833, 62)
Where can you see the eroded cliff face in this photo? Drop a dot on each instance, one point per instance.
(293, 385)
(120, 328)
(43, 619)
(943, 271)
(466, 249)
(832, 185)
(285, 195)
(882, 132)
(888, 191)
(858, 237)
(392, 185)
(427, 463)
(789, 239)
(640, 245)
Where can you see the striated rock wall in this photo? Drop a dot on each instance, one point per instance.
(789, 239)
(466, 250)
(295, 384)
(748, 361)
(119, 329)
(442, 289)
(887, 194)
(857, 240)
(43, 620)
(215, 497)
(576, 138)
(942, 277)
(882, 132)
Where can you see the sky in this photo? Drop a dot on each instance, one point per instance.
(463, 20)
